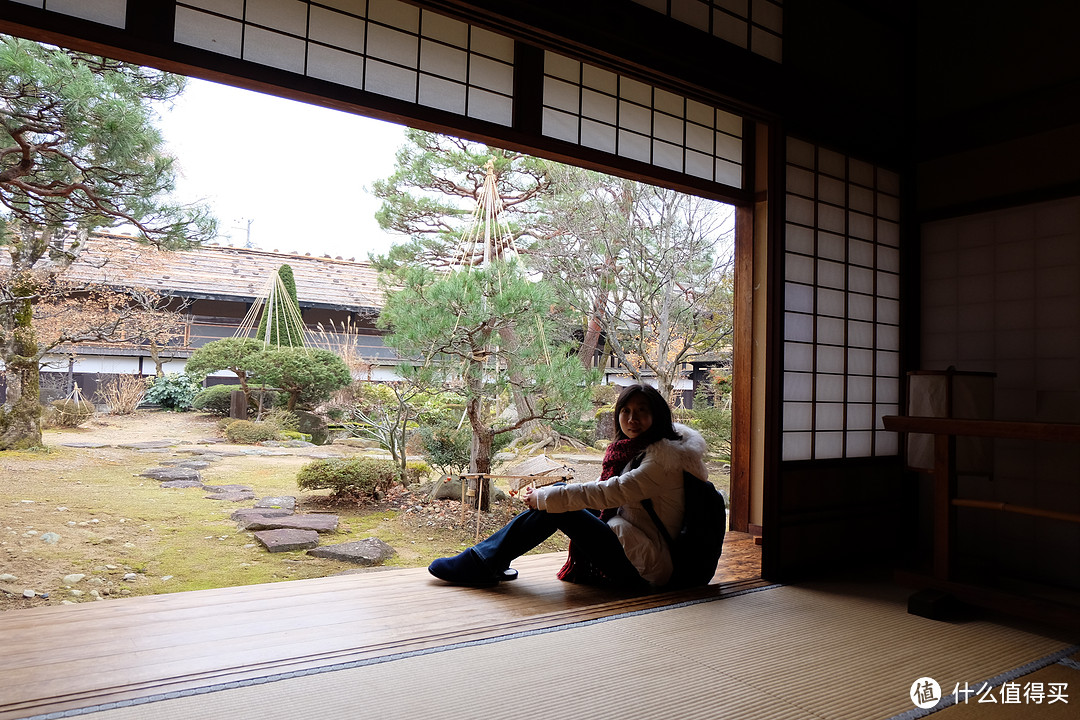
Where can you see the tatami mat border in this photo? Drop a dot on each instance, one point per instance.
(1061, 657)
(74, 712)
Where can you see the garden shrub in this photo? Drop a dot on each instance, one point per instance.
(71, 413)
(293, 435)
(415, 471)
(216, 399)
(605, 395)
(446, 447)
(247, 432)
(361, 477)
(174, 391)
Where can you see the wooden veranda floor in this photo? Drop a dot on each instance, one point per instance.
(62, 658)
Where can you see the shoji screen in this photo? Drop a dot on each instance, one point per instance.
(602, 110)
(381, 46)
(842, 305)
(756, 25)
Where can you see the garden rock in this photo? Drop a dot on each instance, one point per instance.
(287, 443)
(193, 464)
(313, 425)
(234, 496)
(227, 488)
(441, 489)
(287, 540)
(369, 551)
(318, 523)
(91, 445)
(356, 442)
(149, 444)
(171, 473)
(245, 513)
(282, 503)
(182, 484)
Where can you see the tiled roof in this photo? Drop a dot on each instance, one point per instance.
(214, 271)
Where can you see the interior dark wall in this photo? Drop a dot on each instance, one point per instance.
(846, 76)
(998, 104)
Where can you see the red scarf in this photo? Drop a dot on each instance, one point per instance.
(619, 453)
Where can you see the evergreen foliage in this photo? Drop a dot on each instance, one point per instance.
(308, 376)
(359, 477)
(78, 152)
(281, 323)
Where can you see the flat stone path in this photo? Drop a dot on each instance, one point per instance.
(273, 520)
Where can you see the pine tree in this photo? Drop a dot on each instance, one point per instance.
(78, 152)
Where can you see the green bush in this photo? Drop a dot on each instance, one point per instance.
(604, 395)
(174, 391)
(71, 413)
(216, 399)
(293, 435)
(359, 477)
(415, 471)
(446, 447)
(247, 432)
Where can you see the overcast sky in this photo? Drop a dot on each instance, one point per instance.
(292, 174)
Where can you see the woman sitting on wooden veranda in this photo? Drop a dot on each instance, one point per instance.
(621, 546)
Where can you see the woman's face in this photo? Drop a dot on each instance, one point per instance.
(635, 417)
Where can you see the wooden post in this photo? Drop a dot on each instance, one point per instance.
(479, 498)
(944, 511)
(238, 405)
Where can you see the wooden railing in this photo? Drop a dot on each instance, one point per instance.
(945, 502)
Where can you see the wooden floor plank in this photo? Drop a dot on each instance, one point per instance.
(64, 657)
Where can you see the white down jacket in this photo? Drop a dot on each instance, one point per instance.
(660, 478)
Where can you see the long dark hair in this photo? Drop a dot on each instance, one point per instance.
(662, 424)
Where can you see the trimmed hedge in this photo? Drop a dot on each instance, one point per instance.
(362, 477)
(246, 432)
(216, 399)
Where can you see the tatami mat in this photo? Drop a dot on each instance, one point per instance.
(818, 651)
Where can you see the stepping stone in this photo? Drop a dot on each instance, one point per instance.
(228, 488)
(244, 513)
(171, 473)
(181, 484)
(318, 523)
(193, 464)
(212, 453)
(288, 540)
(236, 496)
(286, 502)
(85, 445)
(369, 551)
(149, 444)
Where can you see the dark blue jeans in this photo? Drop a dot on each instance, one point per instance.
(593, 541)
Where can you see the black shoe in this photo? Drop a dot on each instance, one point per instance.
(467, 568)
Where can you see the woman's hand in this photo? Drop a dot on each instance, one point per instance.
(528, 498)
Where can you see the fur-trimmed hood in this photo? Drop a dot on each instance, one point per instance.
(688, 452)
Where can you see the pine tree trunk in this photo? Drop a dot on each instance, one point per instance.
(20, 417)
(479, 451)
